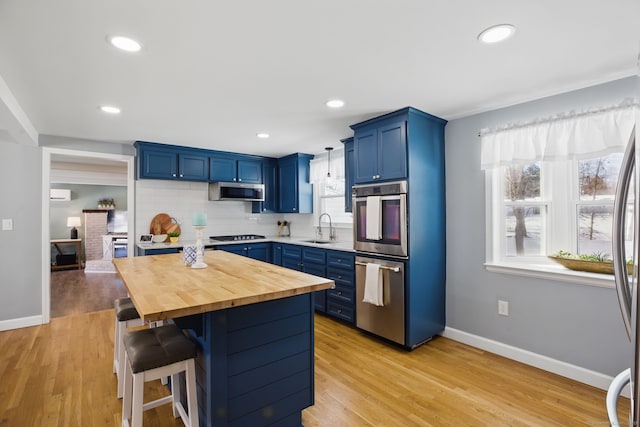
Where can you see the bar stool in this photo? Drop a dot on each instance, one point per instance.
(151, 354)
(126, 317)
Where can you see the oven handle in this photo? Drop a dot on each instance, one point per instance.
(394, 269)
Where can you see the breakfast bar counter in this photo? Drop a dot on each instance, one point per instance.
(254, 324)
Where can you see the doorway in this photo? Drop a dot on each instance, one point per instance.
(82, 167)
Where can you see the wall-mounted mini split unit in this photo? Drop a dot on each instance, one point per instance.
(59, 195)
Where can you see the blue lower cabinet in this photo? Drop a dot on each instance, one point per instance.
(314, 261)
(255, 363)
(259, 251)
(144, 252)
(335, 265)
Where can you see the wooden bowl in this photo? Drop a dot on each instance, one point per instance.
(603, 267)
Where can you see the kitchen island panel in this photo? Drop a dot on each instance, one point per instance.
(256, 363)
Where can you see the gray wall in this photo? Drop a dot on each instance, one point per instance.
(574, 323)
(20, 249)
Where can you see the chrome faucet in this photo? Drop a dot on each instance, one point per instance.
(332, 232)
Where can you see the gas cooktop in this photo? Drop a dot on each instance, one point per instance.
(236, 237)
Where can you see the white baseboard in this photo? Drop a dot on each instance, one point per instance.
(22, 322)
(545, 363)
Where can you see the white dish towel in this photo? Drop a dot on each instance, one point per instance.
(374, 218)
(373, 293)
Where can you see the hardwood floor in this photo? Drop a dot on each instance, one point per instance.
(60, 375)
(75, 292)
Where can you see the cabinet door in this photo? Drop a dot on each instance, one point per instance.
(259, 251)
(250, 171)
(392, 154)
(193, 167)
(159, 164)
(365, 146)
(319, 297)
(222, 169)
(234, 249)
(288, 186)
(276, 250)
(349, 172)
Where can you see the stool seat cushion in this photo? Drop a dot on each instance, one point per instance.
(156, 347)
(125, 310)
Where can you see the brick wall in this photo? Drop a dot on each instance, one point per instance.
(95, 225)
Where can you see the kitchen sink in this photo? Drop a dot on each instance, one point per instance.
(323, 242)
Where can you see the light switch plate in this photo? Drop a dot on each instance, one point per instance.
(7, 224)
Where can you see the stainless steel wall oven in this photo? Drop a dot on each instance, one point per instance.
(383, 207)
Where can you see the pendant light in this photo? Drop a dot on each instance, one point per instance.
(329, 149)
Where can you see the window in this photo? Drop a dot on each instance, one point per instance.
(550, 188)
(329, 191)
(562, 205)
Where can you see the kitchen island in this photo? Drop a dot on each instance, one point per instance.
(254, 324)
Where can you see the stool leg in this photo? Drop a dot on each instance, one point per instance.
(127, 380)
(122, 327)
(116, 345)
(138, 392)
(176, 393)
(192, 398)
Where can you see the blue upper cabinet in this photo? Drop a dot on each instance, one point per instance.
(349, 171)
(158, 161)
(235, 168)
(380, 150)
(270, 181)
(295, 191)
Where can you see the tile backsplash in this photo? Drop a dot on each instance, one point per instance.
(181, 199)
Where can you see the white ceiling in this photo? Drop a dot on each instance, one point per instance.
(213, 74)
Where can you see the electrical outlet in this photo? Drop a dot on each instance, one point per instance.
(7, 224)
(503, 308)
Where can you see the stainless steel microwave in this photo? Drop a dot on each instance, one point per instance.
(236, 191)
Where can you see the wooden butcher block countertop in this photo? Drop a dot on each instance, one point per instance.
(162, 287)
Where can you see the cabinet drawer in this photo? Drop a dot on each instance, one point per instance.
(345, 294)
(290, 251)
(340, 259)
(340, 311)
(341, 276)
(313, 255)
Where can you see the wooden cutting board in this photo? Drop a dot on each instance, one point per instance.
(162, 224)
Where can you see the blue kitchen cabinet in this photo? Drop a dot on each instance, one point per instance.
(227, 167)
(341, 301)
(295, 191)
(380, 150)
(259, 251)
(292, 257)
(149, 251)
(270, 180)
(159, 161)
(314, 262)
(349, 171)
(409, 144)
(276, 254)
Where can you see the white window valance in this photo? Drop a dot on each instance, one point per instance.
(574, 135)
(319, 165)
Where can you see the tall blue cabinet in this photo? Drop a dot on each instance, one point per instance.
(409, 144)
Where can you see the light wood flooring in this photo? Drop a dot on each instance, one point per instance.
(60, 374)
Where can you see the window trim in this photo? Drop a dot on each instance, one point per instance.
(562, 226)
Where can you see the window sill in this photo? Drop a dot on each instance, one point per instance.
(553, 272)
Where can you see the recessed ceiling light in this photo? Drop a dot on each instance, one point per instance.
(125, 43)
(335, 103)
(109, 109)
(497, 33)
(262, 135)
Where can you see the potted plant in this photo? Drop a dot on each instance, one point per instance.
(173, 236)
(596, 262)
